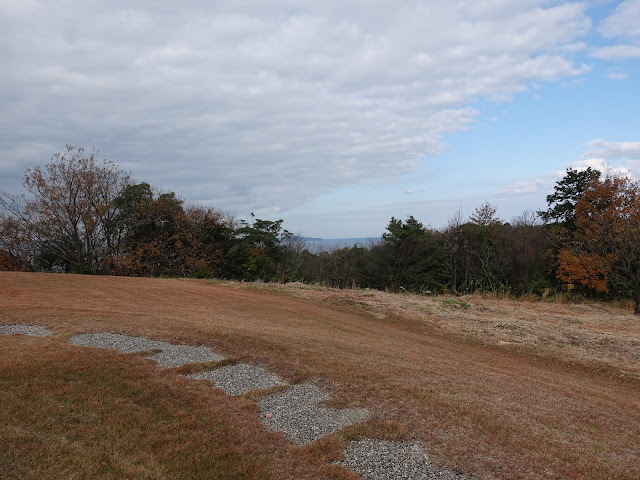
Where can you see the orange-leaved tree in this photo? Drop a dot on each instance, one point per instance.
(604, 250)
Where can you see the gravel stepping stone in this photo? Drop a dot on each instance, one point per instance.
(382, 459)
(170, 356)
(240, 378)
(31, 330)
(296, 413)
(117, 341)
(177, 355)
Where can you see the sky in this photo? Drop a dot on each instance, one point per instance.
(333, 116)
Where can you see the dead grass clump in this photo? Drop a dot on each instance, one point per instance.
(259, 394)
(455, 303)
(199, 367)
(377, 428)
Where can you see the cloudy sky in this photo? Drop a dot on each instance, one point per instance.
(332, 115)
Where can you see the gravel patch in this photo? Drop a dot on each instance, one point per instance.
(170, 356)
(240, 378)
(382, 459)
(118, 342)
(296, 413)
(177, 355)
(31, 330)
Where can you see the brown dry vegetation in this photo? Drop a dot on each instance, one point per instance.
(75, 413)
(502, 389)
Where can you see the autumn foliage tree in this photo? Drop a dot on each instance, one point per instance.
(604, 251)
(160, 236)
(154, 237)
(69, 216)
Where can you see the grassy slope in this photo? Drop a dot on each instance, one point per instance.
(455, 380)
(67, 412)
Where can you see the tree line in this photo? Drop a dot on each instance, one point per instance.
(85, 215)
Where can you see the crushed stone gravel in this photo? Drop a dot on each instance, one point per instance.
(31, 330)
(116, 341)
(240, 378)
(177, 355)
(170, 356)
(296, 413)
(383, 459)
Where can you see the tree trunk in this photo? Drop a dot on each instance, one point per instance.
(636, 289)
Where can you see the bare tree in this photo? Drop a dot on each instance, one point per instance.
(70, 212)
(485, 215)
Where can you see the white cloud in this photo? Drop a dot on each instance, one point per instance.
(574, 47)
(542, 184)
(601, 165)
(269, 106)
(623, 21)
(617, 52)
(621, 158)
(616, 157)
(602, 149)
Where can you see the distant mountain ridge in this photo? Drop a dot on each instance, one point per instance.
(327, 244)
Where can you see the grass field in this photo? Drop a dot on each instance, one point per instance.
(497, 388)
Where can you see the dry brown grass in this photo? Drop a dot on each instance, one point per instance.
(199, 367)
(502, 389)
(71, 412)
(594, 333)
